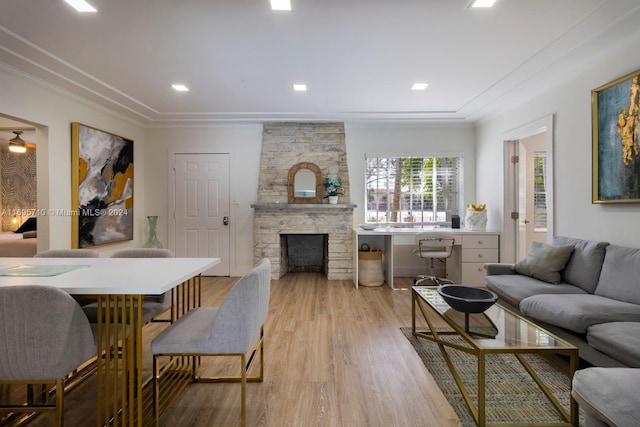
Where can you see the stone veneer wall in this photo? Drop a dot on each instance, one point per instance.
(284, 145)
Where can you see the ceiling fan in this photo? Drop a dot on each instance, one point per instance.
(17, 144)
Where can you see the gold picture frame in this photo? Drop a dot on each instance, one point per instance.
(102, 187)
(615, 136)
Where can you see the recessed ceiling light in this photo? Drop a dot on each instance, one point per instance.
(180, 87)
(482, 3)
(419, 86)
(81, 5)
(280, 4)
(299, 87)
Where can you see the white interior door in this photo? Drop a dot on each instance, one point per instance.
(514, 237)
(202, 208)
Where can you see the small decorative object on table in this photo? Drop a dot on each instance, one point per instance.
(369, 226)
(332, 187)
(467, 299)
(476, 217)
(153, 241)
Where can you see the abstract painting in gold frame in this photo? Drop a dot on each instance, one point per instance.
(102, 181)
(615, 134)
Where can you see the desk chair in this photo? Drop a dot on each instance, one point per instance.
(433, 245)
(236, 328)
(44, 336)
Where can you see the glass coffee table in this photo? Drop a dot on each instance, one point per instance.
(497, 330)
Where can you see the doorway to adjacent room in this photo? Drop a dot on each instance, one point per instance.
(528, 188)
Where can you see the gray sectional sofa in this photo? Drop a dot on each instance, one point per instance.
(589, 294)
(608, 396)
(594, 304)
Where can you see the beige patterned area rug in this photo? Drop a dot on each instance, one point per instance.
(512, 396)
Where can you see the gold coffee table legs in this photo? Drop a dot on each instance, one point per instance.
(479, 346)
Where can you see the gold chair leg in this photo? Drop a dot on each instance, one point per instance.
(243, 393)
(60, 403)
(156, 392)
(261, 378)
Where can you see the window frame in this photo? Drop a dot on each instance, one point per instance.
(446, 220)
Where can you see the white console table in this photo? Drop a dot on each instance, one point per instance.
(466, 265)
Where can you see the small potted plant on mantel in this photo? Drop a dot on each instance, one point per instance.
(332, 187)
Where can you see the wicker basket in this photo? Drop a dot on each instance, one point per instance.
(370, 266)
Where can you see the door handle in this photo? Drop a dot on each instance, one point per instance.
(225, 220)
(526, 221)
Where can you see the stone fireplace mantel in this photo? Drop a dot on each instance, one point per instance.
(287, 206)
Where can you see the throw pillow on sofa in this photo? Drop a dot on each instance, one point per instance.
(544, 262)
(31, 224)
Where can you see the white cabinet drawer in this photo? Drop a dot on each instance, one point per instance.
(475, 241)
(473, 273)
(480, 255)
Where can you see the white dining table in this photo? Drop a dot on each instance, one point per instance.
(118, 284)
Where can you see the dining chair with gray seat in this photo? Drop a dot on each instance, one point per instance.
(68, 253)
(152, 305)
(44, 336)
(433, 245)
(235, 328)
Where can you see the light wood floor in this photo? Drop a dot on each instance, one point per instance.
(334, 356)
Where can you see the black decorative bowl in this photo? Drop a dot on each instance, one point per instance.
(466, 298)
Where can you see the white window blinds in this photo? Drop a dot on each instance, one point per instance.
(413, 189)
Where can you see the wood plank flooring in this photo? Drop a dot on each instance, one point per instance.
(334, 356)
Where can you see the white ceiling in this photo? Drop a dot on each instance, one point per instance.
(359, 58)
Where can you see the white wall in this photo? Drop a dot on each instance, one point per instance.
(434, 139)
(52, 112)
(363, 138)
(243, 143)
(570, 103)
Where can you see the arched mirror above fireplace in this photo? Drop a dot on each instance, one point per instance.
(305, 183)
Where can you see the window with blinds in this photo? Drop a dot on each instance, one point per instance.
(539, 192)
(413, 189)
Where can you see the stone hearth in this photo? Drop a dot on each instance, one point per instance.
(284, 145)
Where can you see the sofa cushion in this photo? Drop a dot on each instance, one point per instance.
(583, 268)
(620, 340)
(620, 276)
(578, 312)
(544, 261)
(515, 287)
(609, 394)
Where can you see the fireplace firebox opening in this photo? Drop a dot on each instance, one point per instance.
(304, 252)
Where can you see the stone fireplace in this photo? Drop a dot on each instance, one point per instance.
(284, 145)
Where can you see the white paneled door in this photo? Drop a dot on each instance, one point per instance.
(202, 208)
